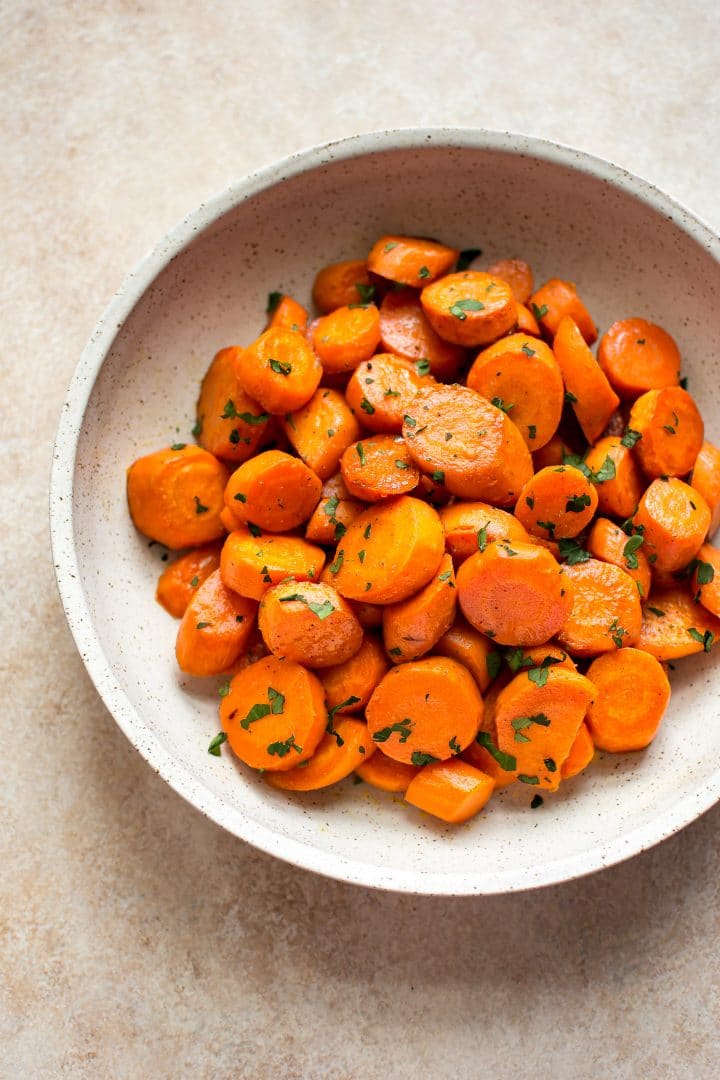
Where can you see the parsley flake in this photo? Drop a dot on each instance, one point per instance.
(420, 758)
(460, 308)
(216, 743)
(280, 367)
(403, 728)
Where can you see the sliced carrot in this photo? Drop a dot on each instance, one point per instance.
(322, 430)
(230, 424)
(175, 496)
(581, 753)
(279, 370)
(450, 790)
(705, 478)
(406, 332)
(412, 627)
(551, 454)
(557, 503)
(632, 692)
(470, 648)
(309, 623)
(340, 752)
(674, 625)
(229, 521)
(177, 584)
(411, 261)
(674, 519)
(636, 355)
(289, 315)
(340, 284)
(273, 490)
(333, 514)
(609, 543)
(484, 753)
(250, 563)
(606, 612)
(369, 615)
(346, 337)
(517, 274)
(671, 431)
(619, 493)
(214, 629)
(470, 526)
(592, 398)
(382, 772)
(556, 300)
(381, 390)
(470, 308)
(348, 686)
(378, 468)
(706, 578)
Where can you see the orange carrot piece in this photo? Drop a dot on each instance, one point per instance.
(413, 626)
(279, 370)
(333, 514)
(348, 686)
(607, 541)
(674, 519)
(340, 752)
(470, 308)
(322, 430)
(526, 321)
(309, 624)
(411, 261)
(230, 424)
(470, 526)
(340, 284)
(214, 629)
(381, 390)
(551, 454)
(706, 578)
(581, 753)
(556, 300)
(250, 563)
(385, 774)
(606, 613)
(406, 332)
(671, 431)
(175, 496)
(346, 337)
(557, 503)
(705, 478)
(517, 274)
(636, 355)
(177, 584)
(450, 790)
(289, 315)
(632, 692)
(674, 625)
(378, 468)
(620, 493)
(273, 490)
(484, 753)
(470, 648)
(593, 399)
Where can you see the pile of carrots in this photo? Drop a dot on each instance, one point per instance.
(433, 539)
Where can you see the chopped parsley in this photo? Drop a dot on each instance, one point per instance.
(423, 366)
(420, 758)
(539, 312)
(216, 743)
(202, 625)
(365, 292)
(525, 779)
(280, 749)
(367, 407)
(482, 537)
(706, 639)
(571, 551)
(438, 476)
(199, 508)
(630, 550)
(527, 350)
(273, 302)
(521, 723)
(537, 800)
(423, 272)
(505, 761)
(460, 308)
(500, 404)
(360, 451)
(280, 367)
(334, 567)
(403, 728)
(493, 663)
(532, 431)
(577, 503)
(178, 446)
(630, 438)
(254, 529)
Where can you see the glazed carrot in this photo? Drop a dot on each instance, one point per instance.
(309, 623)
(539, 656)
(369, 615)
(705, 478)
(273, 490)
(341, 752)
(346, 337)
(450, 790)
(555, 300)
(581, 753)
(632, 692)
(387, 775)
(606, 612)
(214, 628)
(322, 430)
(620, 490)
(229, 521)
(515, 594)
(412, 627)
(378, 468)
(342, 283)
(607, 542)
(175, 496)
(250, 563)
(470, 648)
(381, 390)
(557, 503)
(521, 372)
(279, 370)
(637, 356)
(551, 454)
(406, 332)
(526, 321)
(674, 519)
(483, 753)
(470, 308)
(288, 314)
(274, 714)
(411, 261)
(454, 432)
(517, 274)
(348, 686)
(470, 526)
(671, 431)
(230, 424)
(592, 397)
(674, 625)
(333, 514)
(426, 710)
(177, 584)
(389, 552)
(706, 578)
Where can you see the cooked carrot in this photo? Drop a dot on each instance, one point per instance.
(411, 261)
(706, 578)
(470, 648)
(521, 372)
(555, 300)
(609, 543)
(581, 753)
(177, 584)
(387, 775)
(346, 337)
(671, 431)
(551, 454)
(289, 315)
(605, 613)
(322, 430)
(622, 484)
(592, 397)
(250, 562)
(333, 514)
(638, 356)
(632, 692)
(674, 520)
(279, 370)
(406, 332)
(381, 390)
(540, 656)
(274, 714)
(229, 522)
(378, 468)
(433, 491)
(348, 685)
(214, 628)
(674, 625)
(470, 308)
(369, 615)
(705, 478)
(450, 790)
(412, 627)
(424, 711)
(557, 503)
(273, 490)
(309, 623)
(470, 526)
(230, 424)
(175, 496)
(517, 274)
(453, 432)
(340, 752)
(389, 552)
(483, 753)
(342, 283)
(526, 321)
(517, 594)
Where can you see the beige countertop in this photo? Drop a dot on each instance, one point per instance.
(136, 938)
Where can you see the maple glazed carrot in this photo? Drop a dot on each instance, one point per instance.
(177, 584)
(175, 496)
(406, 332)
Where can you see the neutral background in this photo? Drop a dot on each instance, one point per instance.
(137, 939)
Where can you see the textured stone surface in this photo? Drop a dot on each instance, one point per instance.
(137, 939)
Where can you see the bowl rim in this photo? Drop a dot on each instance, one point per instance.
(686, 809)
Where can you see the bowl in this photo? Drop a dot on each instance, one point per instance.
(632, 251)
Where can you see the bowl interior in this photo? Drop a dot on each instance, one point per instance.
(627, 257)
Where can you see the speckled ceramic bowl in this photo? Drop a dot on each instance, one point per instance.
(631, 249)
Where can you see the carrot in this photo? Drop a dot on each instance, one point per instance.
(341, 751)
(279, 370)
(606, 612)
(273, 490)
(309, 623)
(346, 337)
(411, 261)
(620, 490)
(581, 753)
(592, 397)
(483, 753)
(632, 692)
(706, 578)
(517, 274)
(609, 543)
(378, 468)
(369, 615)
(348, 686)
(230, 424)
(342, 283)
(413, 626)
(426, 710)
(470, 308)
(274, 714)
(671, 431)
(470, 526)
(214, 628)
(517, 594)
(381, 390)
(637, 356)
(454, 433)
(526, 321)
(175, 496)
(522, 373)
(470, 648)
(288, 314)
(450, 790)
(333, 514)
(322, 430)
(541, 657)
(177, 584)
(249, 563)
(406, 332)
(555, 300)
(557, 503)
(674, 625)
(674, 519)
(229, 521)
(705, 478)
(552, 453)
(389, 552)
(387, 775)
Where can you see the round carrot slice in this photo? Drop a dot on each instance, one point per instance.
(557, 503)
(706, 479)
(706, 578)
(581, 753)
(605, 613)
(387, 775)
(322, 430)
(526, 321)
(288, 314)
(175, 496)
(274, 714)
(618, 494)
(556, 299)
(274, 490)
(411, 261)
(517, 274)
(309, 623)
(450, 790)
(632, 692)
(412, 627)
(381, 390)
(674, 519)
(348, 686)
(251, 561)
(340, 284)
(671, 431)
(214, 628)
(609, 543)
(177, 584)
(340, 752)
(636, 355)
(230, 424)
(484, 752)
(406, 332)
(470, 648)
(424, 711)
(279, 370)
(333, 514)
(346, 337)
(674, 625)
(378, 468)
(471, 526)
(470, 308)
(551, 454)
(592, 397)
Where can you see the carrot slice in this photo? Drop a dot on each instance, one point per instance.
(378, 468)
(551, 454)
(289, 315)
(526, 321)
(279, 370)
(674, 519)
(342, 283)
(346, 337)
(322, 430)
(636, 355)
(411, 261)
(406, 332)
(470, 648)
(470, 526)
(274, 490)
(609, 543)
(339, 754)
(593, 399)
(705, 478)
(517, 274)
(619, 493)
(387, 775)
(557, 503)
(381, 390)
(214, 628)
(556, 300)
(230, 424)
(177, 584)
(450, 790)
(581, 753)
(671, 431)
(632, 692)
(333, 514)
(413, 626)
(310, 624)
(175, 496)
(348, 686)
(706, 578)
(470, 308)
(674, 625)
(250, 563)
(484, 753)
(606, 612)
